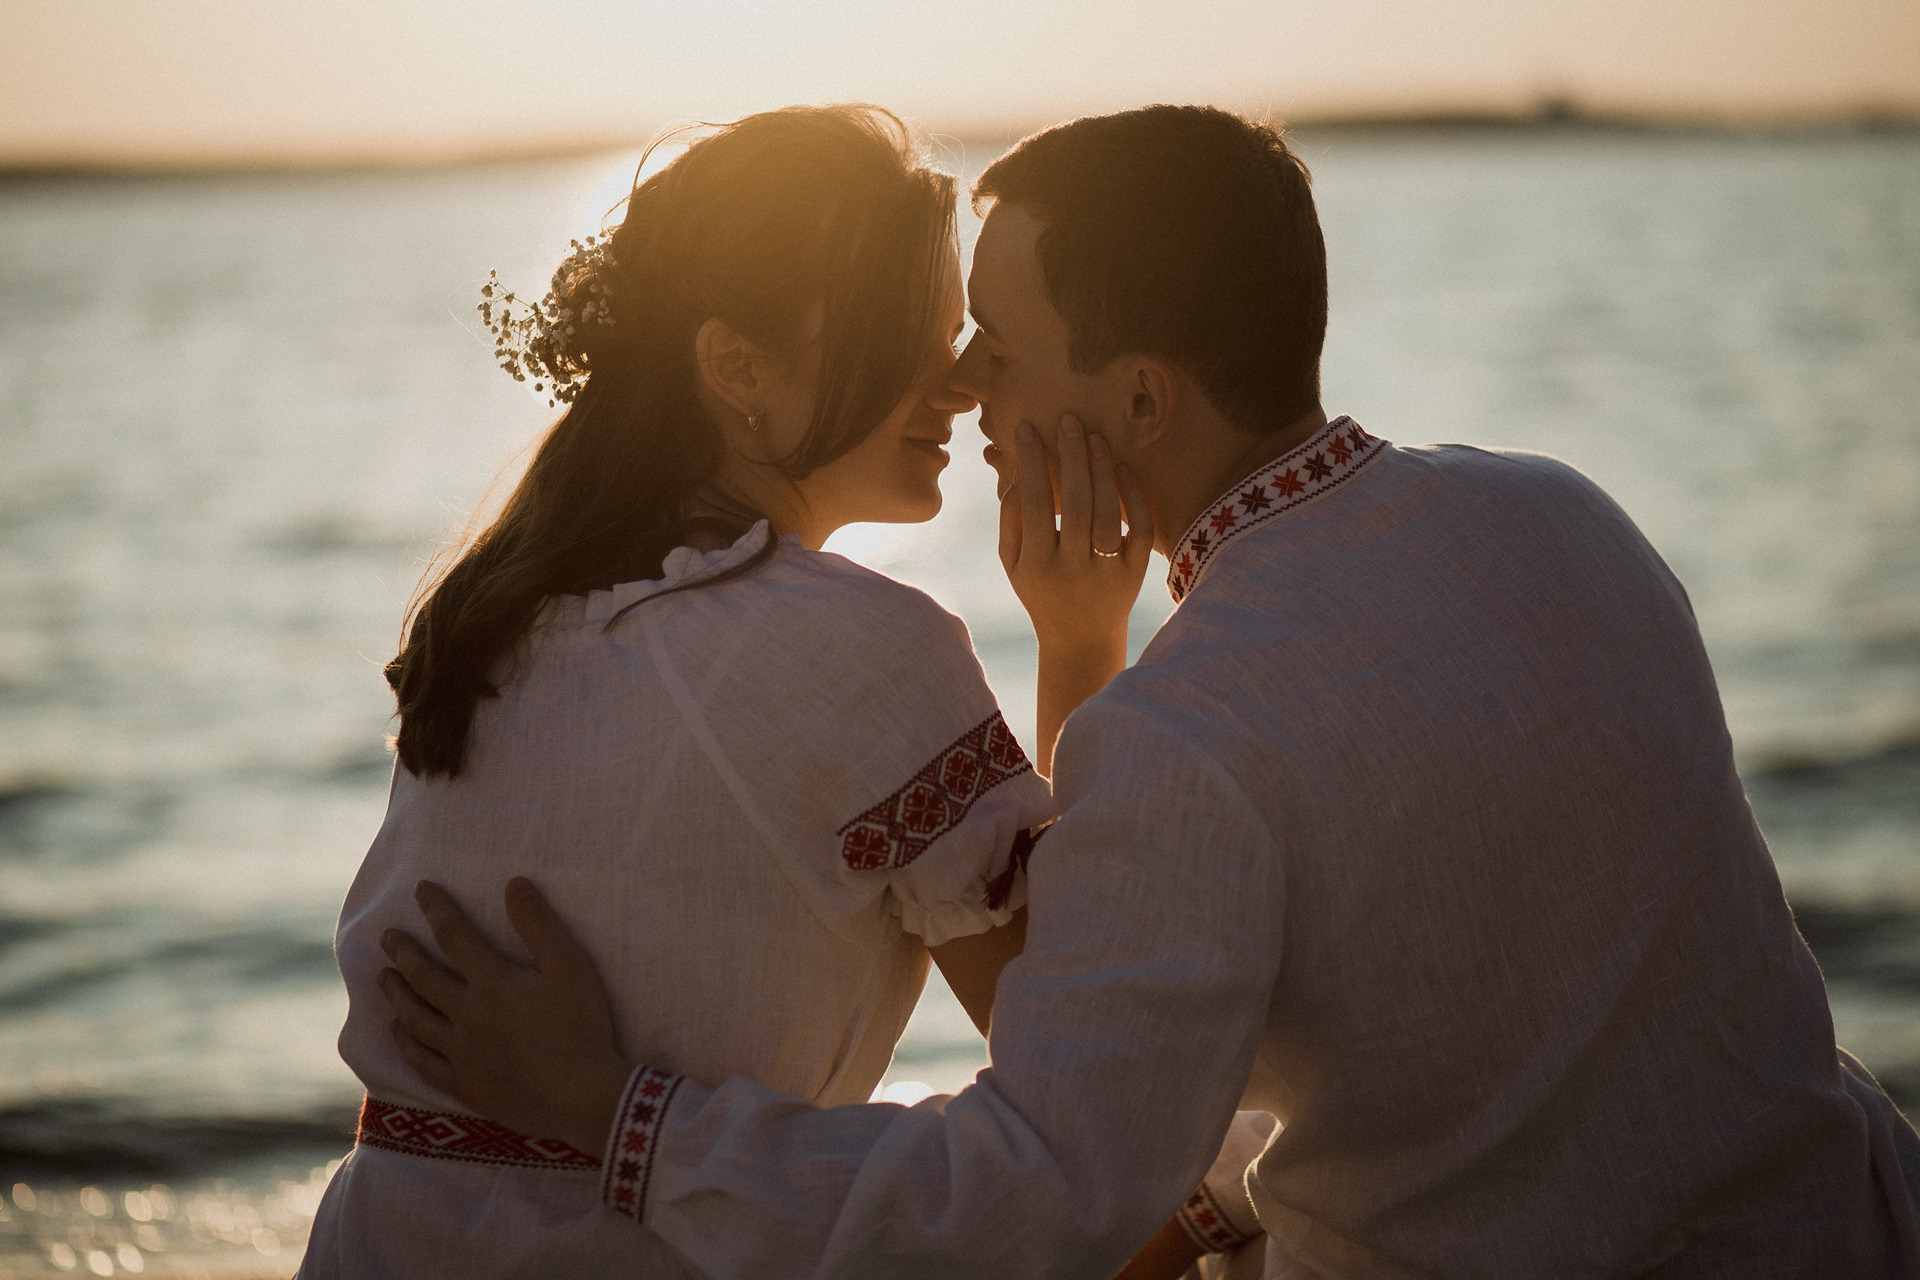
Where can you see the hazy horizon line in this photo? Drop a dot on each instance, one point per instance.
(1549, 113)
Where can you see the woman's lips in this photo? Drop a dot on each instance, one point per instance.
(929, 447)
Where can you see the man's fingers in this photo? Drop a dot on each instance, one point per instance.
(432, 981)
(1106, 496)
(1036, 495)
(553, 948)
(1076, 490)
(433, 1067)
(423, 1021)
(1139, 542)
(463, 944)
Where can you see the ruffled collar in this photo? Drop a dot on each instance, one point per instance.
(1328, 459)
(681, 564)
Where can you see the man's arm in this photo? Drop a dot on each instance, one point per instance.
(581, 1108)
(1121, 1041)
(972, 966)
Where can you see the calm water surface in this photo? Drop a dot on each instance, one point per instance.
(237, 414)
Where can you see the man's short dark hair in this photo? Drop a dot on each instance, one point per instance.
(1183, 233)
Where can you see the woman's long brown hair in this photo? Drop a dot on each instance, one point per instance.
(757, 224)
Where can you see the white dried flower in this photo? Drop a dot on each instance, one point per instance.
(534, 342)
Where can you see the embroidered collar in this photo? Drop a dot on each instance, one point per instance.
(1331, 457)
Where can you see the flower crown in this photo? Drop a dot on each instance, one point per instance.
(535, 343)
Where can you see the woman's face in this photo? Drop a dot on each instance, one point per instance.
(893, 476)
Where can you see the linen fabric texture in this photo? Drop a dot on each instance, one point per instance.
(1416, 826)
(683, 786)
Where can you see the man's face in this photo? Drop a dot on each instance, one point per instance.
(1016, 364)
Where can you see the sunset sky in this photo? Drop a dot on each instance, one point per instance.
(162, 81)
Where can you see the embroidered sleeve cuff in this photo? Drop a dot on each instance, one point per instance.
(1209, 1227)
(642, 1113)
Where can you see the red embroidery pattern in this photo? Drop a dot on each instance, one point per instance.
(935, 800)
(1209, 1227)
(1000, 888)
(1332, 457)
(468, 1138)
(636, 1135)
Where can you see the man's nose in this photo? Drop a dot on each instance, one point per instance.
(962, 379)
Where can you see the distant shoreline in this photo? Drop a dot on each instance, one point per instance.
(1552, 115)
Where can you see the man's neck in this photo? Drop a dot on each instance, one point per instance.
(1182, 497)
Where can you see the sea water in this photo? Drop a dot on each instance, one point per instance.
(239, 413)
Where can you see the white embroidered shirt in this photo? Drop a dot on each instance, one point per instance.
(1416, 826)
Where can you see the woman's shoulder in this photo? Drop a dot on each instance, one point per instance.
(813, 606)
(852, 616)
(821, 588)
(834, 583)
(792, 580)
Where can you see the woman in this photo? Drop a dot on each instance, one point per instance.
(759, 782)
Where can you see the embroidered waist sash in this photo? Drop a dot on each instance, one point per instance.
(466, 1138)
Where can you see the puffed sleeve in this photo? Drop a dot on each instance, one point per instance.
(853, 724)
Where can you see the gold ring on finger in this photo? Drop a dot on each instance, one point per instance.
(1105, 555)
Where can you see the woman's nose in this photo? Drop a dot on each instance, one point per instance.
(948, 398)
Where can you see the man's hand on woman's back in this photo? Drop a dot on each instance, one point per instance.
(527, 1046)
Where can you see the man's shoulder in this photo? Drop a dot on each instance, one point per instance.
(1521, 479)
(1280, 609)
(1490, 467)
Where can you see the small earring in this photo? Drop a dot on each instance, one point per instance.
(753, 419)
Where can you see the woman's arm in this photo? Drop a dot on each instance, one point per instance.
(1166, 1257)
(1069, 675)
(1078, 584)
(1079, 600)
(972, 965)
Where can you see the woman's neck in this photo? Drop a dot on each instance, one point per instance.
(727, 506)
(764, 494)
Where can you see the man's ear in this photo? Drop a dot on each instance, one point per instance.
(729, 366)
(1153, 394)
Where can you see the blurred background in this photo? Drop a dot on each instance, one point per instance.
(243, 397)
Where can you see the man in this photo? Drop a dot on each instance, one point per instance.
(1416, 826)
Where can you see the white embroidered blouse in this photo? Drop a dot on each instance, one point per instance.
(756, 803)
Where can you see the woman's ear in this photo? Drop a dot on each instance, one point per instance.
(729, 366)
(1152, 391)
